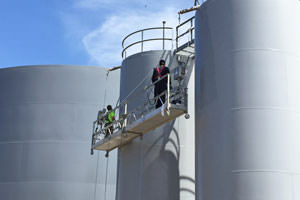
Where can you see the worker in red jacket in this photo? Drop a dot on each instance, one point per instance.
(161, 85)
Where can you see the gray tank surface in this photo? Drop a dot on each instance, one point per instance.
(247, 100)
(46, 115)
(161, 165)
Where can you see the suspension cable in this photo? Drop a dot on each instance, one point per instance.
(134, 89)
(96, 179)
(97, 167)
(105, 189)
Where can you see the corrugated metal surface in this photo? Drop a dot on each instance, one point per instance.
(247, 100)
(46, 115)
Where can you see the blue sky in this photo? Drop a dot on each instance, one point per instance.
(76, 32)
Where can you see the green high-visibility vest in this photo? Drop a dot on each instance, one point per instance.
(110, 116)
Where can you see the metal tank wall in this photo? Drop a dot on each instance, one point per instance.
(248, 100)
(161, 165)
(46, 115)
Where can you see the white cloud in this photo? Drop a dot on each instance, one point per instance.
(100, 4)
(92, 4)
(104, 43)
(115, 20)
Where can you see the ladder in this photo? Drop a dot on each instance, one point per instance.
(143, 118)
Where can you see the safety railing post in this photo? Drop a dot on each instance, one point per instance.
(93, 139)
(164, 22)
(94, 127)
(191, 29)
(168, 93)
(186, 98)
(142, 43)
(125, 112)
(176, 37)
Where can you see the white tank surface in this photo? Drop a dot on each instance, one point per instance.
(161, 165)
(248, 100)
(46, 115)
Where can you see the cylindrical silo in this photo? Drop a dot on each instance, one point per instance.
(46, 115)
(161, 165)
(247, 100)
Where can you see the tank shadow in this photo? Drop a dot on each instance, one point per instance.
(162, 173)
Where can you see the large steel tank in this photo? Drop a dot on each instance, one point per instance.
(161, 165)
(247, 100)
(46, 115)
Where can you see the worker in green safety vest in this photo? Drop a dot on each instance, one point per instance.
(110, 117)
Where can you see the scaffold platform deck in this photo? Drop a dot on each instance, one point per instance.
(140, 127)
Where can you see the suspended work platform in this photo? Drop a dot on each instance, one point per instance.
(141, 119)
(141, 126)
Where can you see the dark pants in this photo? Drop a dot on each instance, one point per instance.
(162, 98)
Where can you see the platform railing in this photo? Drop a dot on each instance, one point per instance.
(174, 94)
(126, 117)
(143, 40)
(190, 31)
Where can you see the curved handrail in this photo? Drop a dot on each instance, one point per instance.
(142, 38)
(146, 29)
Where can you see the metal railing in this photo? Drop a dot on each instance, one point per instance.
(190, 31)
(142, 41)
(101, 131)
